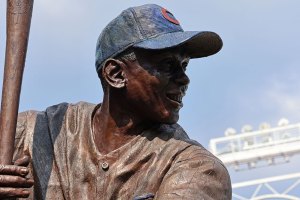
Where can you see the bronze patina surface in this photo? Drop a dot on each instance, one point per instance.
(161, 161)
(130, 145)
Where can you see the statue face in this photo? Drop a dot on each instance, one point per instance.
(156, 84)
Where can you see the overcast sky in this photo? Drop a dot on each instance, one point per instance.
(255, 78)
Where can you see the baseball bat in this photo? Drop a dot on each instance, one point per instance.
(18, 18)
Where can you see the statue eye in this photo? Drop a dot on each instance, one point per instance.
(171, 65)
(184, 65)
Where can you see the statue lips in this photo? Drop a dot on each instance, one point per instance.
(175, 99)
(176, 95)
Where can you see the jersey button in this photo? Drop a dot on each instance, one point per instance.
(105, 166)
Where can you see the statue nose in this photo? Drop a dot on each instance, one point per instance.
(182, 78)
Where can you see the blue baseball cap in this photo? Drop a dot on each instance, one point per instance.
(155, 28)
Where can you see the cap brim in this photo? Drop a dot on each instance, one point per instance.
(196, 44)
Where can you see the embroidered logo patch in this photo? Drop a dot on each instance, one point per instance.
(169, 16)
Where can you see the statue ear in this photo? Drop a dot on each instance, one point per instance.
(112, 71)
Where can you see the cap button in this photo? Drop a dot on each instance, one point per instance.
(105, 166)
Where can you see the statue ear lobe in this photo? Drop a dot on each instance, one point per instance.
(113, 73)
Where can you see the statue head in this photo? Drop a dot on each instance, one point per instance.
(143, 54)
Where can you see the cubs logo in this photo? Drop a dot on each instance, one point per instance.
(169, 16)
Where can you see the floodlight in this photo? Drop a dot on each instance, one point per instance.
(229, 132)
(246, 128)
(283, 122)
(264, 126)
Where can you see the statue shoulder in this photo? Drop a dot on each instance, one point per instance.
(176, 134)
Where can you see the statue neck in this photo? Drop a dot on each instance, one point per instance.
(115, 124)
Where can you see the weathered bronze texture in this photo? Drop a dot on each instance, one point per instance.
(161, 162)
(18, 24)
(130, 145)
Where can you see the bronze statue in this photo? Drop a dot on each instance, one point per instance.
(129, 146)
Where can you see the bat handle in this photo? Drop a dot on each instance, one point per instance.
(18, 16)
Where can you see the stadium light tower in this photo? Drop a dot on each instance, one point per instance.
(264, 147)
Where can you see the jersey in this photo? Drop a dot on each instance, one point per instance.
(160, 163)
